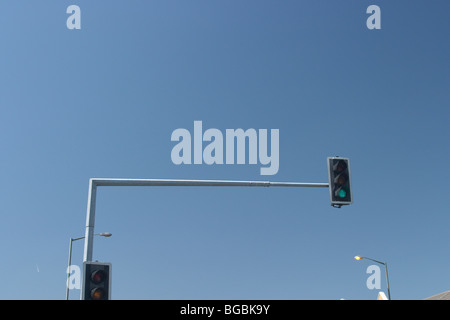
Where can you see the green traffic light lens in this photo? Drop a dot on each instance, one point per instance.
(342, 193)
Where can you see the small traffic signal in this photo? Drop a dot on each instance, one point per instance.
(96, 281)
(339, 181)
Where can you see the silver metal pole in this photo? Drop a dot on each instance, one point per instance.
(90, 220)
(387, 280)
(96, 182)
(199, 183)
(69, 263)
(68, 269)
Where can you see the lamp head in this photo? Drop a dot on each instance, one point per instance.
(105, 234)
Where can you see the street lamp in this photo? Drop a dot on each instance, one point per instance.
(385, 267)
(102, 234)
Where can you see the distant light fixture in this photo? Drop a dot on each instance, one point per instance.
(105, 234)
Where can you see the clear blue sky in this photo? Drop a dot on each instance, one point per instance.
(103, 101)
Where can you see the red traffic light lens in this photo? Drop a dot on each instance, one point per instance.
(340, 166)
(98, 276)
(98, 294)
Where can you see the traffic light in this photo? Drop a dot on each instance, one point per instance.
(339, 181)
(96, 281)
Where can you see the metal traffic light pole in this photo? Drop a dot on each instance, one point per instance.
(95, 182)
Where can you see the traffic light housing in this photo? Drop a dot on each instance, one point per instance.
(339, 181)
(96, 281)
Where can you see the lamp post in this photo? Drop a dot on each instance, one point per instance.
(385, 267)
(102, 234)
